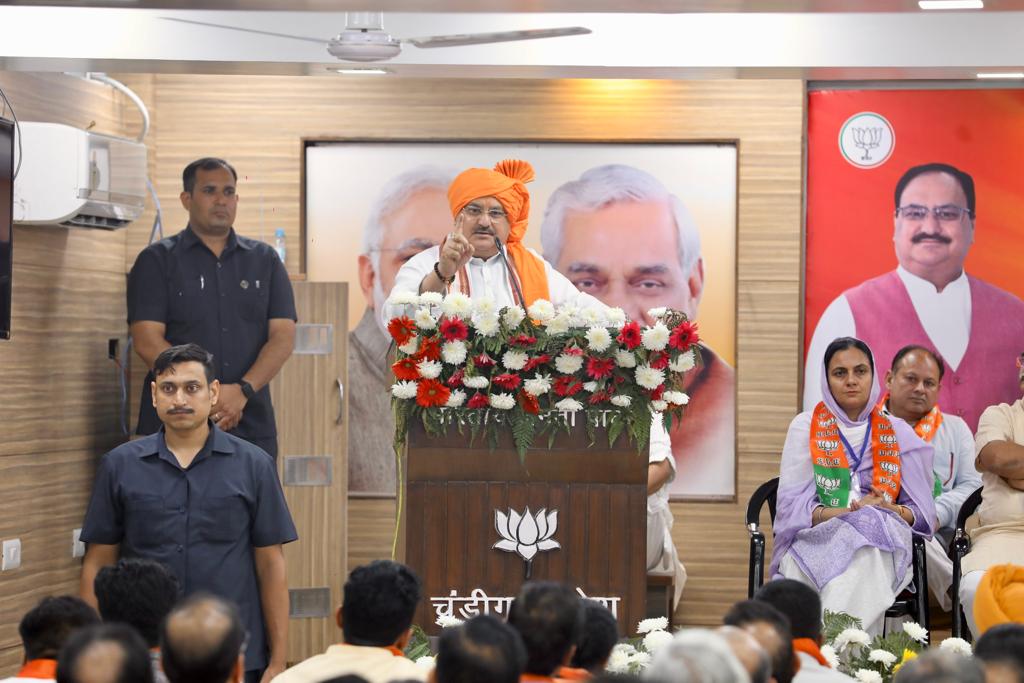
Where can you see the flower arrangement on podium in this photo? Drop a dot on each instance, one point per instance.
(470, 365)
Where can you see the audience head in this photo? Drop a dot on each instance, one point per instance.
(913, 382)
(600, 634)
(849, 379)
(137, 592)
(379, 603)
(800, 603)
(46, 627)
(184, 389)
(105, 653)
(936, 666)
(749, 652)
(549, 618)
(770, 628)
(696, 655)
(1001, 650)
(482, 649)
(203, 641)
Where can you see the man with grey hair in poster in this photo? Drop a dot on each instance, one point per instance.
(618, 234)
(409, 215)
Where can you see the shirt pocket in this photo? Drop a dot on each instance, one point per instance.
(185, 296)
(253, 302)
(224, 518)
(149, 521)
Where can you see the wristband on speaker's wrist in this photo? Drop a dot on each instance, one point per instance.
(442, 278)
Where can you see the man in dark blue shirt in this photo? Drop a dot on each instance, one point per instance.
(229, 294)
(206, 504)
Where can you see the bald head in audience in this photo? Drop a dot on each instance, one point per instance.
(696, 655)
(749, 653)
(202, 641)
(105, 653)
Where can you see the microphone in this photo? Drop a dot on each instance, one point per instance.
(508, 269)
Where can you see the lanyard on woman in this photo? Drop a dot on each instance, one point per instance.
(856, 458)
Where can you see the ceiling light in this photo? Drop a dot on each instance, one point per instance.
(375, 71)
(1008, 75)
(950, 4)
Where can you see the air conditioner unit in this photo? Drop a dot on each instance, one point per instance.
(73, 178)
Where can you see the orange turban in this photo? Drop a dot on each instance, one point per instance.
(507, 184)
(1000, 597)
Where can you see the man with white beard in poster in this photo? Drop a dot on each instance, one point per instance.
(410, 214)
(619, 234)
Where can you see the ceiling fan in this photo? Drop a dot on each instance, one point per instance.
(364, 39)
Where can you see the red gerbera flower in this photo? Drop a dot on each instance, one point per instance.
(456, 379)
(683, 336)
(599, 368)
(430, 393)
(522, 340)
(529, 403)
(430, 349)
(507, 381)
(536, 361)
(630, 335)
(567, 385)
(405, 369)
(657, 393)
(483, 361)
(658, 360)
(453, 329)
(478, 400)
(598, 397)
(572, 350)
(401, 329)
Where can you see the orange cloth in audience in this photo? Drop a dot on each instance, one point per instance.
(1000, 597)
(808, 646)
(507, 184)
(39, 668)
(568, 673)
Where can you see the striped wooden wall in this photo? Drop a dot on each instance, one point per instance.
(61, 394)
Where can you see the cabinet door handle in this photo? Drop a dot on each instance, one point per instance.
(341, 402)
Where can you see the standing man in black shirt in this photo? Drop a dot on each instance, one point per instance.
(229, 294)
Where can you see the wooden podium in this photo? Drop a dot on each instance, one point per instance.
(455, 489)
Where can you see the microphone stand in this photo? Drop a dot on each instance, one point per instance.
(508, 269)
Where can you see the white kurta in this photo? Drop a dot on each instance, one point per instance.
(662, 556)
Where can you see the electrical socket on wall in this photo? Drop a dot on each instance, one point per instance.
(77, 547)
(12, 554)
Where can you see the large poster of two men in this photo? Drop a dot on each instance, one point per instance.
(914, 234)
(637, 225)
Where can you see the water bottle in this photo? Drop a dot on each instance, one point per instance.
(279, 244)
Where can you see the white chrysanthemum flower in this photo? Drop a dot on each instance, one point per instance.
(655, 338)
(559, 324)
(652, 624)
(616, 316)
(656, 312)
(868, 676)
(515, 360)
(829, 653)
(456, 399)
(676, 398)
(621, 400)
(590, 386)
(640, 660)
(409, 347)
(851, 636)
(513, 315)
(487, 325)
(424, 320)
(454, 352)
(648, 377)
(569, 405)
(502, 401)
(431, 299)
(429, 369)
(618, 660)
(405, 389)
(568, 364)
(484, 305)
(447, 621)
(957, 645)
(406, 298)
(598, 339)
(682, 363)
(426, 662)
(655, 640)
(542, 310)
(625, 359)
(594, 315)
(538, 386)
(659, 405)
(457, 304)
(475, 382)
(916, 631)
(883, 657)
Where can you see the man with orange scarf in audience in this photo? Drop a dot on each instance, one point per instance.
(484, 255)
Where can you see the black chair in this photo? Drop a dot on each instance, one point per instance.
(912, 603)
(960, 546)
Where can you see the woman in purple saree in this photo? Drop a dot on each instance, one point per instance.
(855, 484)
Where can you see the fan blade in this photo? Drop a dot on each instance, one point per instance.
(498, 37)
(319, 41)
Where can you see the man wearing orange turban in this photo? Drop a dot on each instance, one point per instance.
(491, 210)
(1000, 597)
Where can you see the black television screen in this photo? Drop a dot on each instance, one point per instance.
(6, 227)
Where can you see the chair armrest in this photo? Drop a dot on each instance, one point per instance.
(755, 575)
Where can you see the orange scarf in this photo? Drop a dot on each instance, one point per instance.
(568, 673)
(1000, 597)
(506, 183)
(809, 647)
(39, 668)
(832, 476)
(926, 428)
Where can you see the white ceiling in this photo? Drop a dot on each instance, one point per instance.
(895, 41)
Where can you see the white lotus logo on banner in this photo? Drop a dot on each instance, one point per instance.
(526, 534)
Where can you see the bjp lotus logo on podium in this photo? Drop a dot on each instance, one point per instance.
(526, 534)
